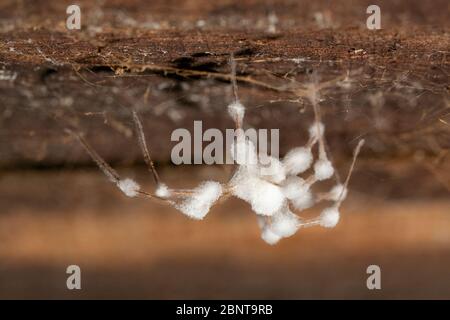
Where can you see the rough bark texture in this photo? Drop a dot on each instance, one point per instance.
(171, 71)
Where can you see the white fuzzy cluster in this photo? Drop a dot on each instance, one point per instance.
(323, 169)
(163, 191)
(316, 130)
(329, 217)
(298, 192)
(267, 198)
(298, 160)
(273, 187)
(271, 168)
(337, 193)
(236, 110)
(129, 187)
(243, 151)
(200, 200)
(281, 225)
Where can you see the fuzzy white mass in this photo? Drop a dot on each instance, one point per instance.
(162, 191)
(329, 217)
(294, 187)
(271, 169)
(264, 197)
(203, 197)
(316, 130)
(304, 201)
(271, 187)
(129, 187)
(241, 183)
(298, 191)
(269, 236)
(243, 151)
(323, 169)
(297, 160)
(285, 223)
(236, 110)
(338, 193)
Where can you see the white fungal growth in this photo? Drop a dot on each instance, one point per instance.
(298, 192)
(243, 151)
(236, 110)
(323, 169)
(262, 221)
(129, 187)
(297, 160)
(337, 193)
(198, 204)
(269, 236)
(282, 225)
(285, 223)
(271, 169)
(304, 200)
(316, 130)
(265, 198)
(241, 183)
(294, 187)
(163, 191)
(329, 217)
(272, 187)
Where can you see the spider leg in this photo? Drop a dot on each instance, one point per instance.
(109, 172)
(352, 167)
(143, 146)
(310, 223)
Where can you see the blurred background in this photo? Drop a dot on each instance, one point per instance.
(165, 58)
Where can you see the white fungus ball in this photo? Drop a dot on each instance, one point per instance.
(270, 237)
(271, 169)
(294, 187)
(329, 217)
(285, 224)
(203, 197)
(163, 191)
(236, 110)
(297, 160)
(242, 183)
(243, 151)
(323, 169)
(304, 201)
(316, 130)
(129, 187)
(338, 193)
(266, 198)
